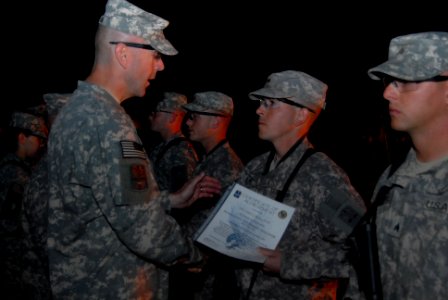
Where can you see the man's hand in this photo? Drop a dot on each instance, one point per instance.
(273, 259)
(200, 186)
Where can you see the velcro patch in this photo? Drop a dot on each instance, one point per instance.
(138, 178)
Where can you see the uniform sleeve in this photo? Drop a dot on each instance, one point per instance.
(337, 209)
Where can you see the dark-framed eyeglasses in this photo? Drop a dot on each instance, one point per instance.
(270, 102)
(133, 45)
(165, 111)
(409, 85)
(153, 113)
(192, 114)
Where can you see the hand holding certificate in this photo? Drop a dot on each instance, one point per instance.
(242, 221)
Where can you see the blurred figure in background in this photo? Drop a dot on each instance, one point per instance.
(25, 138)
(209, 117)
(35, 217)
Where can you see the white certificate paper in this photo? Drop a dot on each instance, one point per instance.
(242, 221)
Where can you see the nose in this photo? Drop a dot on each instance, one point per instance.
(260, 110)
(390, 93)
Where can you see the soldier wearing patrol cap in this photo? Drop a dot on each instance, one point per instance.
(26, 136)
(174, 159)
(310, 260)
(412, 225)
(209, 117)
(107, 221)
(34, 219)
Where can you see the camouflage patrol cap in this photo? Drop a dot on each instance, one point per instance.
(128, 18)
(172, 102)
(55, 102)
(295, 86)
(415, 57)
(36, 125)
(214, 102)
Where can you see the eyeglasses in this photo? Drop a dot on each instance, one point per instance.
(133, 45)
(165, 111)
(192, 115)
(404, 86)
(153, 113)
(269, 103)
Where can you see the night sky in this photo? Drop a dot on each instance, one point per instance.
(231, 47)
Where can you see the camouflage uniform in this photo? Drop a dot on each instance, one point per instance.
(313, 247)
(176, 165)
(175, 159)
(412, 231)
(14, 177)
(412, 227)
(103, 233)
(221, 162)
(313, 244)
(215, 281)
(35, 218)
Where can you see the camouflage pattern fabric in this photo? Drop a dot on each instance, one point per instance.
(313, 245)
(175, 166)
(34, 221)
(14, 176)
(211, 101)
(125, 17)
(295, 86)
(107, 223)
(222, 163)
(412, 231)
(414, 57)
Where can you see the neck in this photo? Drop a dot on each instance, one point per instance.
(168, 135)
(431, 145)
(282, 146)
(114, 85)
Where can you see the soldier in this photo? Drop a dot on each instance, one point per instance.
(310, 260)
(412, 227)
(174, 159)
(26, 136)
(209, 117)
(108, 232)
(35, 219)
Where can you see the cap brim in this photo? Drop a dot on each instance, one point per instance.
(164, 47)
(193, 107)
(265, 93)
(395, 69)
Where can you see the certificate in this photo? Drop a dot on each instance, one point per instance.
(242, 221)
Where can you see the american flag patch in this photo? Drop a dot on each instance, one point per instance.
(130, 149)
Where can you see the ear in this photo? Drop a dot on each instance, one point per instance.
(301, 116)
(121, 54)
(214, 122)
(21, 138)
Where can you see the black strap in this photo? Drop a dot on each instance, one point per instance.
(280, 196)
(364, 246)
(173, 142)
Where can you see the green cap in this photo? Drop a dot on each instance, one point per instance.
(211, 101)
(415, 57)
(295, 86)
(172, 102)
(128, 18)
(36, 125)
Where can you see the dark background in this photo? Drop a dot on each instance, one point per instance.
(232, 47)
